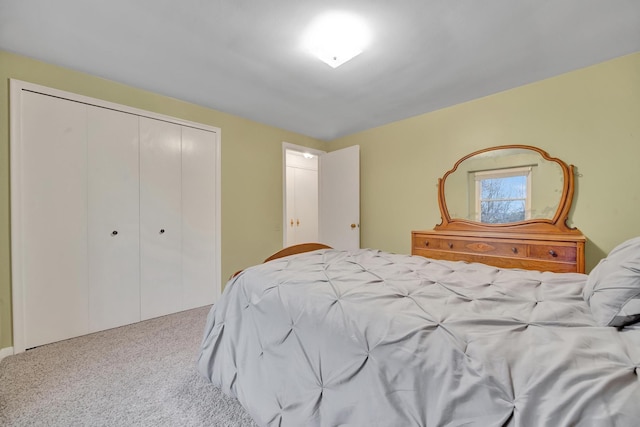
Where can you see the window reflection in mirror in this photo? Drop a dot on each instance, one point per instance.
(502, 195)
(504, 186)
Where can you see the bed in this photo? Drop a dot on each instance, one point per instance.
(453, 337)
(369, 338)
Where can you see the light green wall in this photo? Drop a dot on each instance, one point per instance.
(251, 167)
(589, 118)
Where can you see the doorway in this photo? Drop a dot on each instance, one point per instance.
(321, 196)
(300, 176)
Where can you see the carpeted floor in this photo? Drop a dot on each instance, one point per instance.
(138, 375)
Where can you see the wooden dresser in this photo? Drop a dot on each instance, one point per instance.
(546, 252)
(544, 243)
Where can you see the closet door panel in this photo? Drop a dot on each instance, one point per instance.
(306, 194)
(54, 218)
(291, 205)
(198, 217)
(114, 291)
(160, 218)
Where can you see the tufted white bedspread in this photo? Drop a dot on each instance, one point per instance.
(368, 338)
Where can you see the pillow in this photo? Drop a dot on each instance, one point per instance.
(613, 287)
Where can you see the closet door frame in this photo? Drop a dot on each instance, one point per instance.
(17, 87)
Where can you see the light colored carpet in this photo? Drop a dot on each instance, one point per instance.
(138, 375)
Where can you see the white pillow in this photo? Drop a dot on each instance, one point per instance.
(613, 286)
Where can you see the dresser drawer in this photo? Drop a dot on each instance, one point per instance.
(420, 241)
(512, 249)
(552, 252)
(474, 246)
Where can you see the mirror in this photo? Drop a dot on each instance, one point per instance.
(506, 186)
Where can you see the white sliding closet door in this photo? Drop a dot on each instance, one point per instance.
(53, 219)
(160, 218)
(114, 291)
(199, 150)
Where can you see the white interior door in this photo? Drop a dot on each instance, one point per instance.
(339, 198)
(114, 273)
(199, 277)
(160, 218)
(51, 220)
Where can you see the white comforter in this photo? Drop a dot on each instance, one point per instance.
(368, 338)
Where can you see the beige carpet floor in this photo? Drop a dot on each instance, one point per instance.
(138, 375)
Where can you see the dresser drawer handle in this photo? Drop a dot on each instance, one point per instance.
(553, 253)
(514, 250)
(450, 245)
(426, 243)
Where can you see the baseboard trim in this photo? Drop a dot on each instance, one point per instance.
(4, 352)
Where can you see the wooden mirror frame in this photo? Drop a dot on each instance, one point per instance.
(558, 224)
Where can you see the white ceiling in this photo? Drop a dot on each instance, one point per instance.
(244, 57)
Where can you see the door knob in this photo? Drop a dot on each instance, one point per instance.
(162, 231)
(298, 222)
(292, 222)
(114, 233)
(353, 226)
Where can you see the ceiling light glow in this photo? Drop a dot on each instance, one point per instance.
(336, 37)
